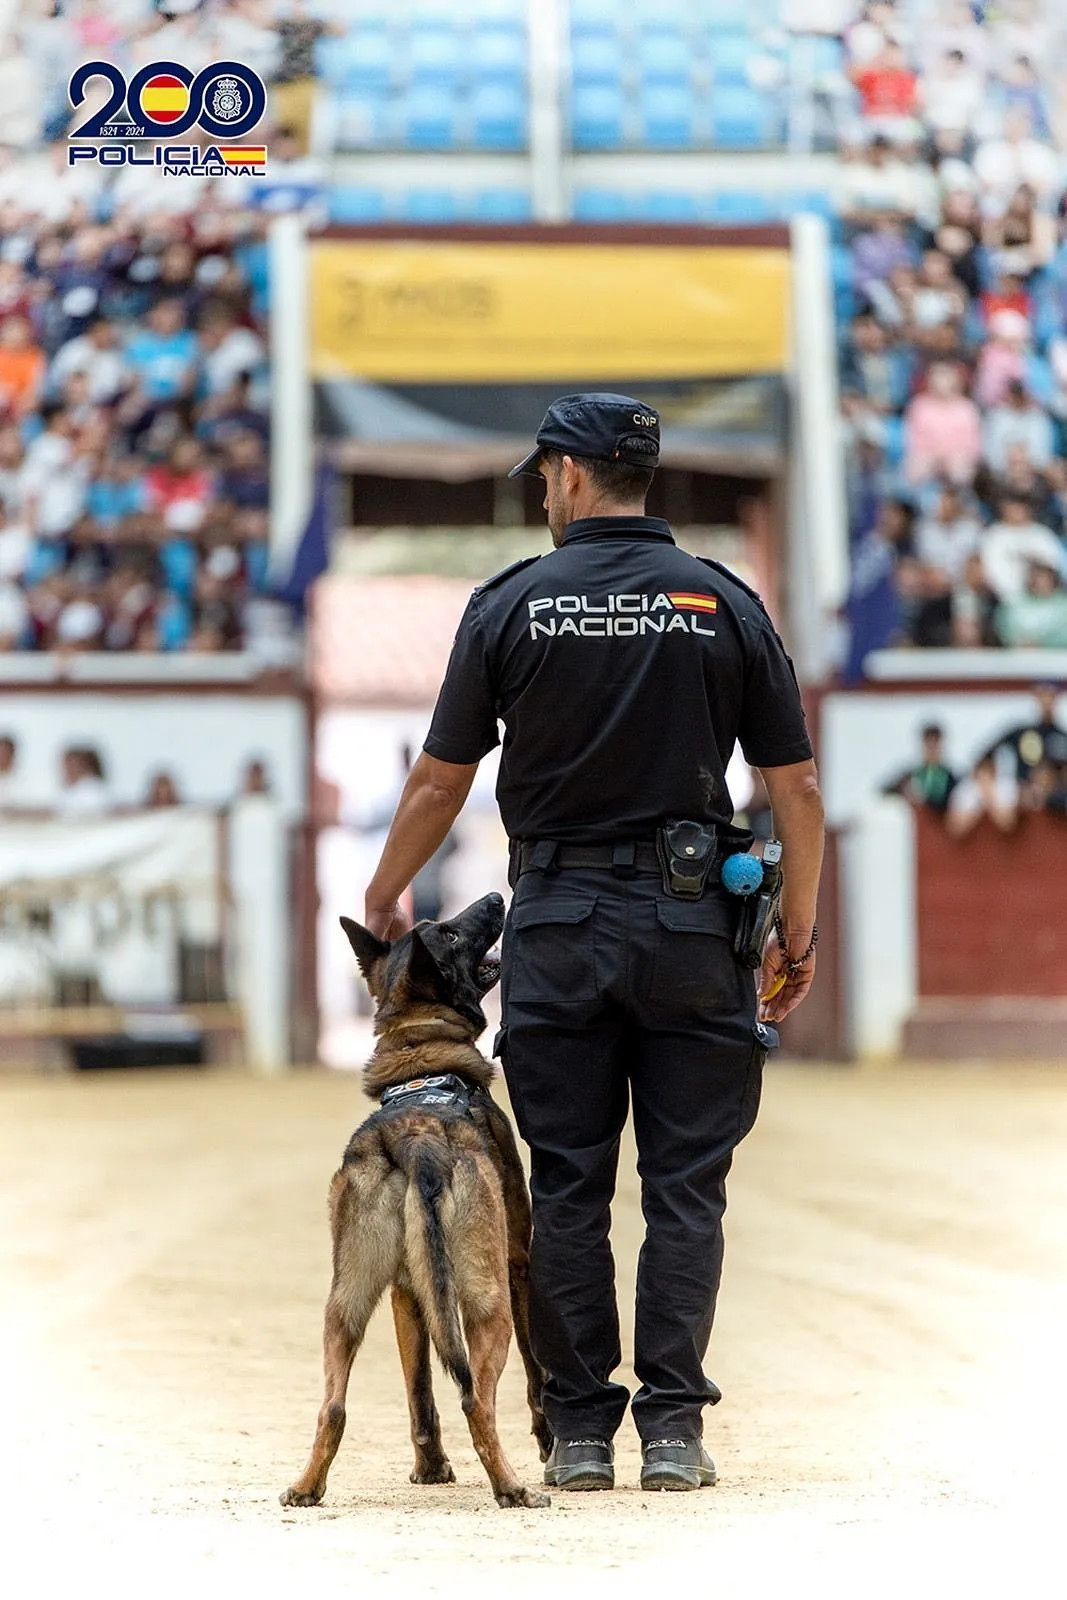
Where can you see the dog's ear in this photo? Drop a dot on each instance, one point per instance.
(368, 949)
(423, 974)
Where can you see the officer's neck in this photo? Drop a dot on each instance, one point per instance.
(590, 503)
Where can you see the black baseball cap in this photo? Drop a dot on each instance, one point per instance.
(603, 427)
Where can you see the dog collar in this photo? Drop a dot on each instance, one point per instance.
(445, 1089)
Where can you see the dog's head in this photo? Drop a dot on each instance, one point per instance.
(446, 964)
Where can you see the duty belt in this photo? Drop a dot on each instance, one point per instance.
(542, 855)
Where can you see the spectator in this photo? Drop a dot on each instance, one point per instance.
(878, 250)
(97, 354)
(938, 297)
(875, 368)
(21, 94)
(226, 350)
(1038, 617)
(10, 785)
(22, 368)
(1041, 739)
(162, 791)
(117, 491)
(230, 412)
(880, 182)
(1022, 238)
(181, 490)
(951, 95)
(931, 782)
(984, 794)
(163, 356)
(255, 779)
(1011, 544)
(55, 477)
(958, 236)
(130, 601)
(294, 89)
(972, 609)
(888, 95)
(1002, 164)
(945, 541)
(1006, 358)
(1020, 89)
(1017, 421)
(84, 790)
(942, 429)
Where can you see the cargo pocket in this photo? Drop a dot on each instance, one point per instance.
(693, 968)
(551, 955)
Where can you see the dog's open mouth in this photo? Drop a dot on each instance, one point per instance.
(489, 970)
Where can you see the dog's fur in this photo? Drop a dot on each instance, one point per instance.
(433, 1204)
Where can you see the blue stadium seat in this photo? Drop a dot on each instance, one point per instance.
(667, 116)
(365, 59)
(498, 50)
(664, 56)
(354, 203)
(435, 54)
(668, 205)
(428, 118)
(499, 112)
(596, 57)
(596, 116)
(603, 205)
(816, 201)
(429, 205)
(731, 54)
(501, 205)
(738, 207)
(590, 13)
(361, 120)
(721, 16)
(741, 119)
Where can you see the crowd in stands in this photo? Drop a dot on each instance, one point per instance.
(1022, 771)
(134, 427)
(951, 275)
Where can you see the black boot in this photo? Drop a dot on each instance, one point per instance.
(581, 1464)
(676, 1464)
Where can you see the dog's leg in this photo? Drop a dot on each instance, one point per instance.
(431, 1463)
(339, 1345)
(487, 1340)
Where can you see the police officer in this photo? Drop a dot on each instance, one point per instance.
(623, 671)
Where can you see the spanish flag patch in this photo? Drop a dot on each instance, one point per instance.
(693, 602)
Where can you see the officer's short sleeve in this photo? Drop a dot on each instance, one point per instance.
(773, 731)
(463, 728)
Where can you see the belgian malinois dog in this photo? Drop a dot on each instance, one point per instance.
(431, 1199)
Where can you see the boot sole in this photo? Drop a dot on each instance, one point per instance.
(675, 1479)
(582, 1480)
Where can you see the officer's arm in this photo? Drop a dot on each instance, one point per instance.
(797, 808)
(433, 798)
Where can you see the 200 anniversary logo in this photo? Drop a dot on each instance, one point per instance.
(164, 99)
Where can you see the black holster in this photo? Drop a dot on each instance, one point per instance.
(759, 910)
(687, 852)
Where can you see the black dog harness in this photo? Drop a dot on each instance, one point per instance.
(446, 1092)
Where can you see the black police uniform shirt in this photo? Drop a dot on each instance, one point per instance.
(623, 670)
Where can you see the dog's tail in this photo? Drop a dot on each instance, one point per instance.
(426, 1214)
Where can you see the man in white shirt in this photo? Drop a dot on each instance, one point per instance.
(1017, 158)
(1017, 421)
(951, 94)
(944, 541)
(96, 353)
(1011, 544)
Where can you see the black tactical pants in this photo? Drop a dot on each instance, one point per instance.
(612, 989)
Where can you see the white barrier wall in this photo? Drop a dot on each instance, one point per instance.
(878, 912)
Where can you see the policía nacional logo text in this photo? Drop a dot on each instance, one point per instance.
(225, 101)
(620, 616)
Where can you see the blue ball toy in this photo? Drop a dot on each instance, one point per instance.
(742, 874)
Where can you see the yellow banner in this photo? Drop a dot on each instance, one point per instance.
(415, 312)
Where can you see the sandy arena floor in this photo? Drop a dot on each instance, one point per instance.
(890, 1344)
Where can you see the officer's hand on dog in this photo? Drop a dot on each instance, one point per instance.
(782, 1000)
(388, 921)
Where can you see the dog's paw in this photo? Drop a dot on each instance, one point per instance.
(294, 1497)
(530, 1499)
(442, 1473)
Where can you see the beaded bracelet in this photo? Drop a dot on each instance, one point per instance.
(792, 966)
